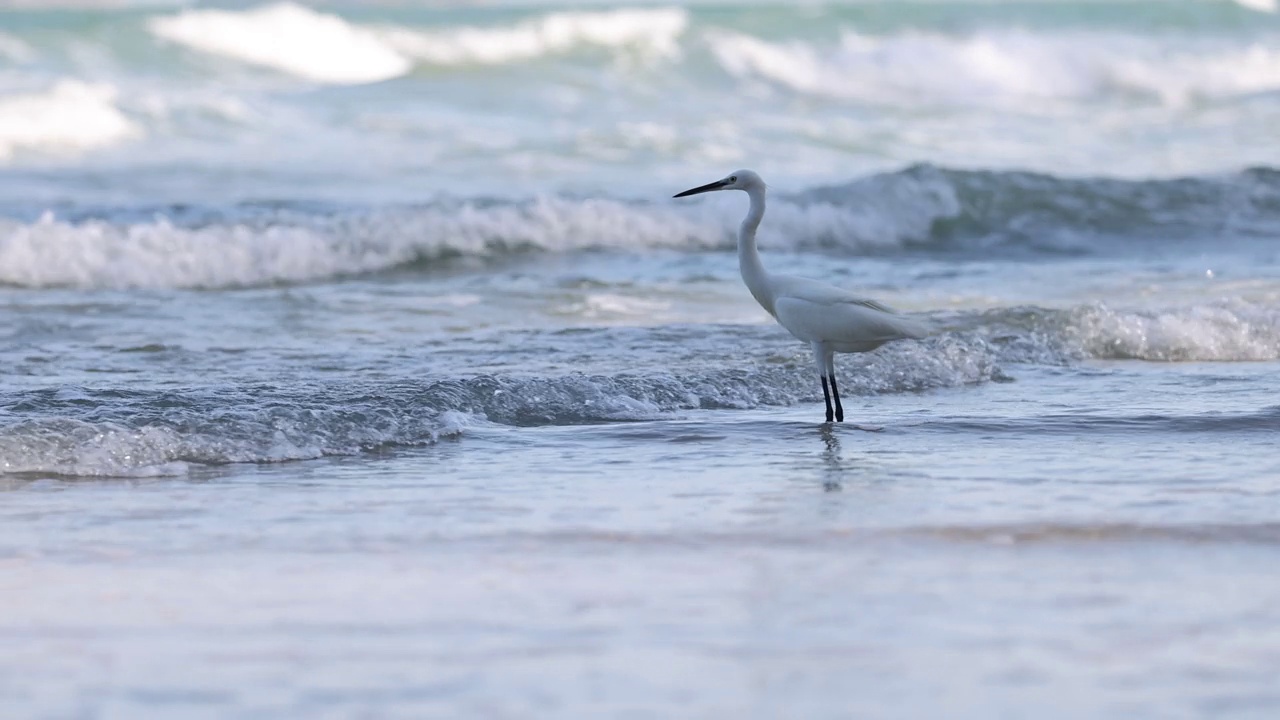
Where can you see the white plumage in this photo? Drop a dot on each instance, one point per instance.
(829, 318)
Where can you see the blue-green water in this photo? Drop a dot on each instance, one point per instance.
(356, 361)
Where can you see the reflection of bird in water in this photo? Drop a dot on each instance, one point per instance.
(831, 459)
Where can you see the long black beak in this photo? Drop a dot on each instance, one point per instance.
(705, 188)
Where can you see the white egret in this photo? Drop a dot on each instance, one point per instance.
(829, 318)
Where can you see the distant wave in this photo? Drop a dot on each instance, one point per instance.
(1000, 66)
(920, 209)
(69, 117)
(1267, 6)
(481, 91)
(896, 68)
(326, 48)
(651, 31)
(289, 38)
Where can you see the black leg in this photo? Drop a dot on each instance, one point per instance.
(836, 391)
(826, 395)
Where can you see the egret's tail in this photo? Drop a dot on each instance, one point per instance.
(913, 328)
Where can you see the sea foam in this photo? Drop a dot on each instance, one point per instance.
(63, 445)
(1241, 328)
(653, 32)
(78, 448)
(1228, 330)
(70, 117)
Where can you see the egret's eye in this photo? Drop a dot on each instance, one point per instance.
(733, 178)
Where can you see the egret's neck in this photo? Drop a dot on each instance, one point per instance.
(753, 273)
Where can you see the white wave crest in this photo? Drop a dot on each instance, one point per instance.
(78, 448)
(99, 254)
(1267, 6)
(69, 446)
(652, 31)
(70, 117)
(50, 253)
(1189, 75)
(1001, 67)
(290, 38)
(1236, 330)
(53, 253)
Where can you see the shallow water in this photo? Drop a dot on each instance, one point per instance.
(399, 387)
(990, 550)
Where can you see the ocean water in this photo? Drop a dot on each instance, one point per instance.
(356, 362)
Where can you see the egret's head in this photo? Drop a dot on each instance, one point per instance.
(737, 180)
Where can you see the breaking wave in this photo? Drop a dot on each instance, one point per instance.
(1223, 331)
(580, 93)
(1000, 67)
(289, 38)
(159, 253)
(1265, 6)
(124, 448)
(326, 48)
(923, 208)
(856, 61)
(68, 118)
(120, 431)
(651, 32)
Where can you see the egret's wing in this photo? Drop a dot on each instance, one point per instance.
(868, 303)
(822, 294)
(821, 311)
